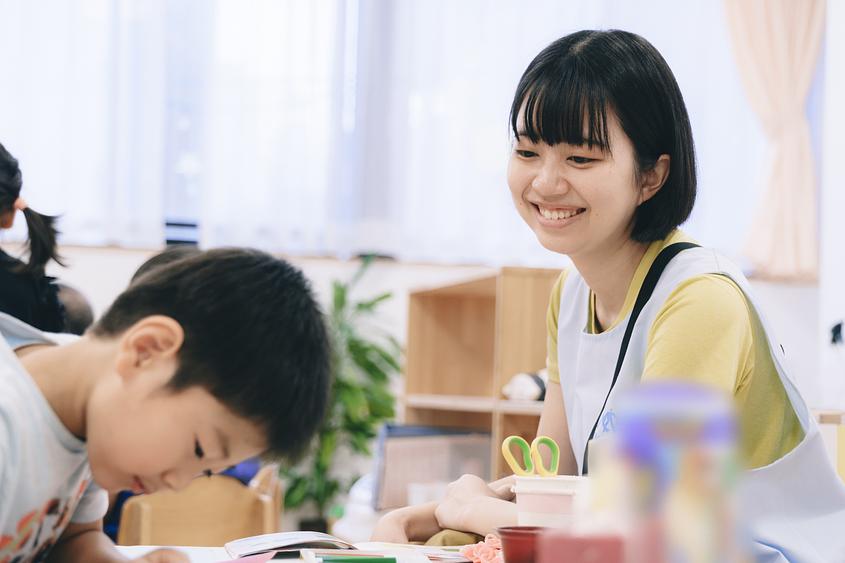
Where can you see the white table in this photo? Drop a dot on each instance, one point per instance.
(197, 554)
(217, 554)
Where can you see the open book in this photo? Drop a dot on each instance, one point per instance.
(324, 544)
(281, 541)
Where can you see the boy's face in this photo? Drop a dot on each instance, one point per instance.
(163, 439)
(143, 436)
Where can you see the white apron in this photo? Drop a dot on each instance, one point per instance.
(795, 506)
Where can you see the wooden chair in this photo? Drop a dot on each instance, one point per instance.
(209, 512)
(267, 482)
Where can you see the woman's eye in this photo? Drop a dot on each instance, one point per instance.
(525, 154)
(581, 159)
(198, 450)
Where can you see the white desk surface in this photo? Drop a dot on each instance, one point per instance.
(197, 554)
(218, 554)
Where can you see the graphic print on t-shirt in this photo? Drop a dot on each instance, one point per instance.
(37, 531)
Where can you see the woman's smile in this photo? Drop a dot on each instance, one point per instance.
(556, 217)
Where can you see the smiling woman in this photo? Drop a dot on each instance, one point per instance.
(618, 131)
(603, 171)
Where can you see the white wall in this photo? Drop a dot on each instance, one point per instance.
(102, 273)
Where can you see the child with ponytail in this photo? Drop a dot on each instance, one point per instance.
(25, 291)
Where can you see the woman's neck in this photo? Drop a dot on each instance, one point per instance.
(608, 273)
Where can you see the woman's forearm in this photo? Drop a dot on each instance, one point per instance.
(481, 515)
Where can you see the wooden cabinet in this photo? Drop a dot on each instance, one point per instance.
(465, 341)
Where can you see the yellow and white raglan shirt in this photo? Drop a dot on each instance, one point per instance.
(706, 332)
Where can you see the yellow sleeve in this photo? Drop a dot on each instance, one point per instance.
(703, 334)
(551, 327)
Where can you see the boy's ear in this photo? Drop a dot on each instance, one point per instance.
(150, 346)
(7, 218)
(653, 179)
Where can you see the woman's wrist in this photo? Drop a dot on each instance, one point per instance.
(418, 521)
(483, 515)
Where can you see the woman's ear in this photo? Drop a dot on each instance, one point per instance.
(150, 346)
(653, 179)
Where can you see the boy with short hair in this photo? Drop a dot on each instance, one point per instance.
(195, 367)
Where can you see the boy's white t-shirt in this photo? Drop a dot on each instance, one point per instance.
(45, 479)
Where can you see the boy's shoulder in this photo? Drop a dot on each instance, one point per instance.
(45, 480)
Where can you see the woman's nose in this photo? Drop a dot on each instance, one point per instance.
(549, 181)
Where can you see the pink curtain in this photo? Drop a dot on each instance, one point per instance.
(776, 43)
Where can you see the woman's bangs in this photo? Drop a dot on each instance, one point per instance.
(567, 110)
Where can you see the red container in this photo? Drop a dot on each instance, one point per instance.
(519, 543)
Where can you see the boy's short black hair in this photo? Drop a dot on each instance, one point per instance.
(255, 337)
(167, 256)
(565, 95)
(78, 313)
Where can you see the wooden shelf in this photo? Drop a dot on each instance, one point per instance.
(520, 407)
(465, 341)
(466, 403)
(450, 403)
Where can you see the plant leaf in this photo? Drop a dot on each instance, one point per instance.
(381, 402)
(355, 403)
(387, 357)
(339, 294)
(367, 359)
(326, 449)
(369, 305)
(297, 492)
(366, 262)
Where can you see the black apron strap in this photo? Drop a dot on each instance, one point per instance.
(649, 283)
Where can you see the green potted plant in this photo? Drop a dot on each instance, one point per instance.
(364, 361)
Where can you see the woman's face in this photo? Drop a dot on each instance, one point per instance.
(577, 200)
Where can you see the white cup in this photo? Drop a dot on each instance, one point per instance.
(549, 501)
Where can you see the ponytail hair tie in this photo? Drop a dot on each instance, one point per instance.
(20, 204)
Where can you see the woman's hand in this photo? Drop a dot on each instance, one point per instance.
(471, 505)
(391, 528)
(412, 523)
(163, 556)
(471, 487)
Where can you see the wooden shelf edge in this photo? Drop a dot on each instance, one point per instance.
(507, 406)
(461, 403)
(466, 403)
(476, 286)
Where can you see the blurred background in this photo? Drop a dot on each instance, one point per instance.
(330, 128)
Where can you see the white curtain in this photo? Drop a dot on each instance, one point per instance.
(345, 127)
(777, 44)
(449, 98)
(273, 121)
(81, 107)
(329, 127)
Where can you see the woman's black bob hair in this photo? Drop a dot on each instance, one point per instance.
(570, 88)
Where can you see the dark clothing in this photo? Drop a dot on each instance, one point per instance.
(32, 299)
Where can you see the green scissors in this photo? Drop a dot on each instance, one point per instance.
(532, 460)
